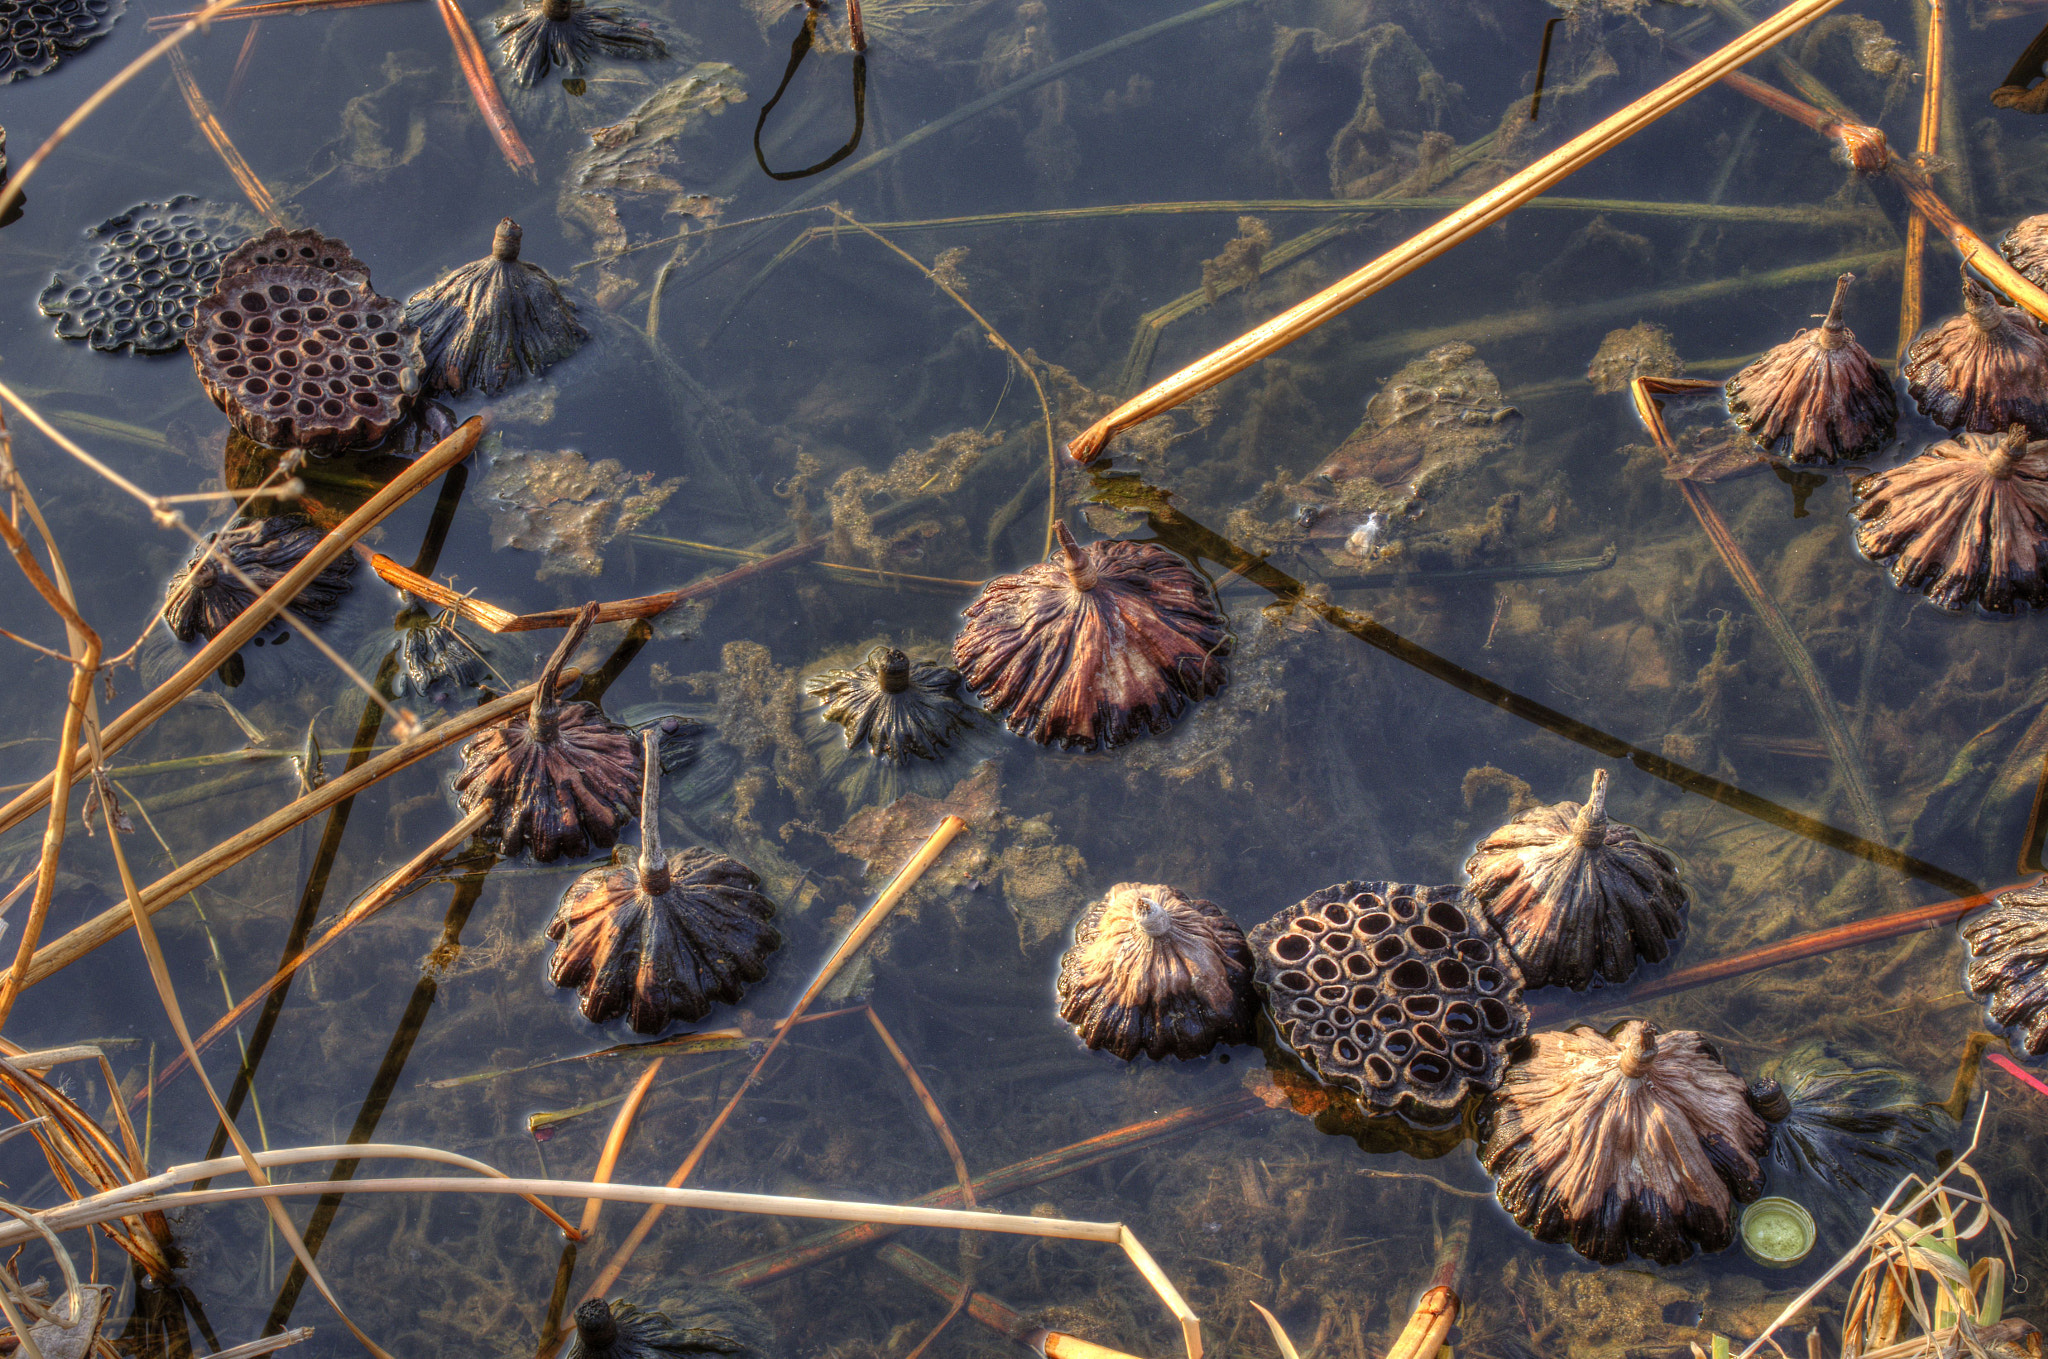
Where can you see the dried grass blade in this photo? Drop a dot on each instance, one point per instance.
(1476, 216)
(483, 87)
(869, 922)
(931, 1107)
(111, 924)
(615, 1141)
(375, 510)
(260, 198)
(159, 22)
(1190, 1324)
(378, 898)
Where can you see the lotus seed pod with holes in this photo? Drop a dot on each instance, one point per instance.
(142, 275)
(1395, 991)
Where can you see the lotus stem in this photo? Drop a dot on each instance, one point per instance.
(1834, 332)
(1590, 826)
(1080, 571)
(894, 672)
(1638, 1051)
(505, 242)
(654, 874)
(594, 1318)
(543, 714)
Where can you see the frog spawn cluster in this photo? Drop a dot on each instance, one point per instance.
(1394, 991)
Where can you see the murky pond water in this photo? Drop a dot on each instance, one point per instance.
(764, 376)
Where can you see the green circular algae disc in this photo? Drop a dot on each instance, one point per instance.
(1777, 1232)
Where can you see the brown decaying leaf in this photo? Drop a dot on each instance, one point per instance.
(567, 507)
(1642, 1141)
(1095, 646)
(1982, 371)
(2025, 247)
(1819, 397)
(884, 838)
(895, 708)
(2009, 965)
(635, 157)
(1577, 896)
(1156, 971)
(204, 597)
(560, 780)
(1966, 521)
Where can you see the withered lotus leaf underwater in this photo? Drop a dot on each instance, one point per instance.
(1982, 371)
(570, 34)
(1635, 1141)
(1966, 522)
(206, 595)
(1156, 971)
(665, 937)
(560, 780)
(2008, 971)
(1394, 991)
(1094, 646)
(1819, 397)
(1856, 1124)
(894, 708)
(1576, 896)
(692, 1320)
(495, 322)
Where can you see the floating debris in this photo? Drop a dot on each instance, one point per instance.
(1642, 350)
(2025, 248)
(14, 209)
(630, 166)
(1853, 1125)
(1576, 896)
(41, 33)
(1096, 645)
(1394, 991)
(206, 596)
(1637, 1140)
(1819, 397)
(302, 358)
(493, 323)
(570, 34)
(304, 247)
(1966, 522)
(143, 273)
(696, 1320)
(896, 708)
(1156, 971)
(567, 507)
(1982, 371)
(664, 938)
(2008, 945)
(560, 780)
(437, 659)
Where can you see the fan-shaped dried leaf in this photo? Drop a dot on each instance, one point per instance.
(1637, 1141)
(1819, 397)
(1156, 971)
(1984, 370)
(664, 938)
(1096, 645)
(204, 597)
(559, 780)
(493, 323)
(2009, 965)
(1576, 896)
(1966, 521)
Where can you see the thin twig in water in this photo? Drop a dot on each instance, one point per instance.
(260, 197)
(483, 87)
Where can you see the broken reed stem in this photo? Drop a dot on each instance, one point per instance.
(157, 23)
(2018, 1073)
(869, 922)
(110, 924)
(874, 574)
(1476, 216)
(494, 619)
(1933, 57)
(85, 666)
(89, 1212)
(1826, 714)
(11, 193)
(615, 1141)
(268, 605)
(379, 897)
(1052, 458)
(260, 198)
(483, 87)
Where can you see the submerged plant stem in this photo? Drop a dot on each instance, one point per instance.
(260, 198)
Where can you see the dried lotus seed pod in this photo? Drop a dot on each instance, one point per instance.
(142, 274)
(1094, 646)
(1577, 896)
(1984, 370)
(1966, 522)
(210, 591)
(1637, 1140)
(2008, 971)
(560, 780)
(1395, 991)
(495, 322)
(1156, 971)
(895, 708)
(1819, 397)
